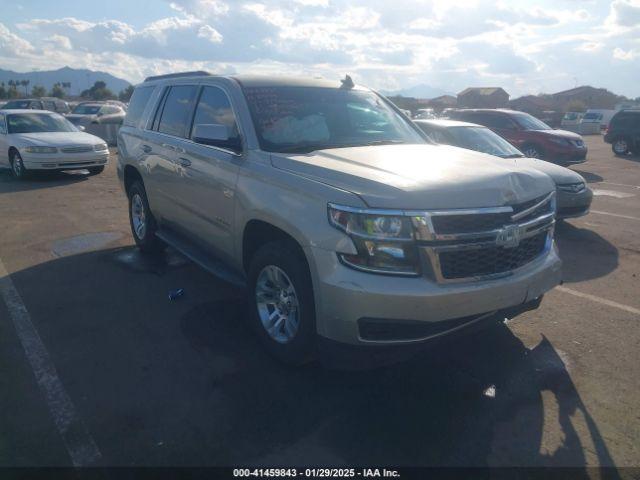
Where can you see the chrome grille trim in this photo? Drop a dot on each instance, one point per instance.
(77, 149)
(532, 209)
(431, 243)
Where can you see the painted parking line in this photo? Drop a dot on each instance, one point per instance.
(78, 441)
(611, 193)
(600, 300)
(622, 185)
(614, 215)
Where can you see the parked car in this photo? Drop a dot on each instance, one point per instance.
(87, 113)
(595, 120)
(624, 132)
(573, 195)
(344, 223)
(39, 140)
(533, 137)
(425, 113)
(44, 103)
(571, 120)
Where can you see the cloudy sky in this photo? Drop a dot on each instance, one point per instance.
(524, 46)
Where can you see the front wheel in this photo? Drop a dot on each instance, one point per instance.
(620, 146)
(281, 302)
(143, 225)
(17, 166)
(532, 151)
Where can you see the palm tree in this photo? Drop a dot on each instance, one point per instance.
(25, 84)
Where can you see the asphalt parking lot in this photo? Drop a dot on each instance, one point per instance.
(124, 376)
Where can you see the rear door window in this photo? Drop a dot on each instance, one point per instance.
(500, 122)
(176, 111)
(138, 103)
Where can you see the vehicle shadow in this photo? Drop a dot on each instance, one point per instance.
(585, 254)
(589, 176)
(184, 382)
(38, 180)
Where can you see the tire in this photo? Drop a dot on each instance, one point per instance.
(95, 170)
(620, 146)
(18, 169)
(143, 225)
(292, 336)
(533, 151)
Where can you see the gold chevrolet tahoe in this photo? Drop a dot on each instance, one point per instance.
(344, 223)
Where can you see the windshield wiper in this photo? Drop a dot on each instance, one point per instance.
(513, 155)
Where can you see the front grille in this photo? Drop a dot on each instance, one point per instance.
(77, 149)
(483, 222)
(468, 245)
(452, 224)
(490, 260)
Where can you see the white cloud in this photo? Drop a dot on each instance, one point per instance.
(620, 54)
(524, 46)
(625, 13)
(210, 33)
(11, 45)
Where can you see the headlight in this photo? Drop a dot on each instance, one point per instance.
(572, 187)
(560, 141)
(41, 149)
(101, 147)
(385, 242)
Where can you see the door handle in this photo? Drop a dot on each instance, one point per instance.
(185, 162)
(146, 148)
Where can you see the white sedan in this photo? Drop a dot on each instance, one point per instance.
(32, 140)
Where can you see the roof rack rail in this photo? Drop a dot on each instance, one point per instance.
(196, 73)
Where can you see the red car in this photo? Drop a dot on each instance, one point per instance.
(531, 136)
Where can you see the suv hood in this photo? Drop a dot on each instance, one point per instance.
(56, 139)
(419, 177)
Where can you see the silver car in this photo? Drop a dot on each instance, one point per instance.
(343, 222)
(573, 195)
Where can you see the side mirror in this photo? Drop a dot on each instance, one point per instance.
(80, 127)
(216, 135)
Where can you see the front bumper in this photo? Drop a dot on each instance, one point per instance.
(346, 298)
(572, 205)
(64, 162)
(567, 156)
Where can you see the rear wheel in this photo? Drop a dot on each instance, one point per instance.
(281, 302)
(143, 225)
(17, 166)
(95, 170)
(532, 151)
(620, 146)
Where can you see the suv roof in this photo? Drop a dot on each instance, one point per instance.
(254, 80)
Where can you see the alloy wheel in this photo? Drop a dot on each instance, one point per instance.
(277, 304)
(532, 152)
(18, 167)
(138, 216)
(620, 146)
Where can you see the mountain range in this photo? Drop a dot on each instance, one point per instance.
(418, 91)
(80, 79)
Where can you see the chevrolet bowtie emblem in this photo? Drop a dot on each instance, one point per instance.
(509, 236)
